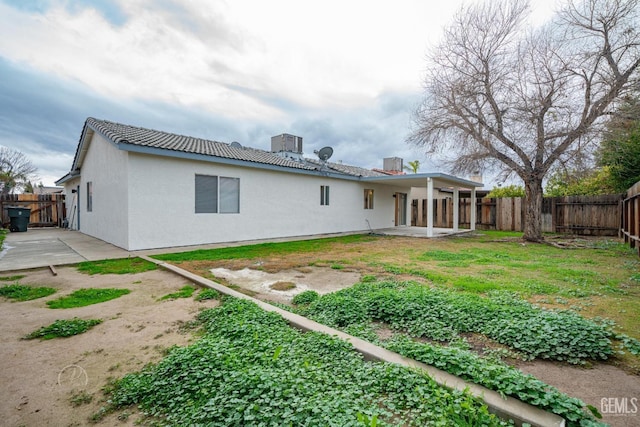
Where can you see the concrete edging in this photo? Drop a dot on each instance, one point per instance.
(507, 407)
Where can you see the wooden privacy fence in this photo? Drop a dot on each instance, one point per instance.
(583, 215)
(630, 228)
(47, 210)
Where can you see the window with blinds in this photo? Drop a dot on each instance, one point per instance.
(216, 194)
(324, 195)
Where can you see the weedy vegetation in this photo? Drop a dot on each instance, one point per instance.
(13, 278)
(116, 266)
(207, 294)
(527, 300)
(252, 368)
(84, 297)
(184, 292)
(63, 329)
(25, 293)
(80, 398)
(416, 311)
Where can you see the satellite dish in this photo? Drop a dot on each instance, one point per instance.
(236, 144)
(325, 153)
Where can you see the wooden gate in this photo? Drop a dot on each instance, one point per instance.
(47, 210)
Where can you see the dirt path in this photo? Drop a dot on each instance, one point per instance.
(615, 393)
(40, 378)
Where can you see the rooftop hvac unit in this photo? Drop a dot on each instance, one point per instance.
(392, 164)
(286, 142)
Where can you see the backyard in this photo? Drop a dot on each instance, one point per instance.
(595, 277)
(485, 307)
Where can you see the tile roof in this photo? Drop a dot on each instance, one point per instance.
(125, 134)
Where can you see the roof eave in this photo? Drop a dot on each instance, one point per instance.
(68, 177)
(411, 179)
(227, 161)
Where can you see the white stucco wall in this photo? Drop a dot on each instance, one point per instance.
(106, 168)
(161, 202)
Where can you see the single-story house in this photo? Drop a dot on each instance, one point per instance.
(140, 189)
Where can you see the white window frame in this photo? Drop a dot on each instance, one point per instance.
(223, 193)
(368, 198)
(324, 195)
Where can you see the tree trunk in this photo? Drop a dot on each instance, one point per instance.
(533, 210)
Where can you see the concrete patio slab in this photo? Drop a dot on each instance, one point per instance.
(41, 247)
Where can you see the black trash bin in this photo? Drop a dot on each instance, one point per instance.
(18, 218)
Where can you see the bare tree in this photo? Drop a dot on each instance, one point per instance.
(502, 94)
(16, 170)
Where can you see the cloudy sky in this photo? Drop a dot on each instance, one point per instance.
(344, 73)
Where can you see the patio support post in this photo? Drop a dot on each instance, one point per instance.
(473, 209)
(429, 207)
(456, 208)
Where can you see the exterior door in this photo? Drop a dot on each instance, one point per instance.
(401, 209)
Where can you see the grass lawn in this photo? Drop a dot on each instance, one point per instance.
(593, 277)
(116, 266)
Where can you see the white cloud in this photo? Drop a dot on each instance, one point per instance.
(253, 66)
(230, 58)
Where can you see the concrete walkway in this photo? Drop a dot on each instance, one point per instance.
(41, 247)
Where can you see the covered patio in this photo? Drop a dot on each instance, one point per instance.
(431, 181)
(420, 232)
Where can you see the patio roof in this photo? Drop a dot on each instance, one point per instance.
(421, 180)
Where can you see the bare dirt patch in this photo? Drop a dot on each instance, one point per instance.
(261, 283)
(612, 391)
(41, 378)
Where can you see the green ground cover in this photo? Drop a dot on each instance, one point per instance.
(596, 277)
(13, 278)
(251, 368)
(576, 301)
(262, 250)
(25, 293)
(116, 266)
(84, 297)
(416, 311)
(63, 329)
(184, 292)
